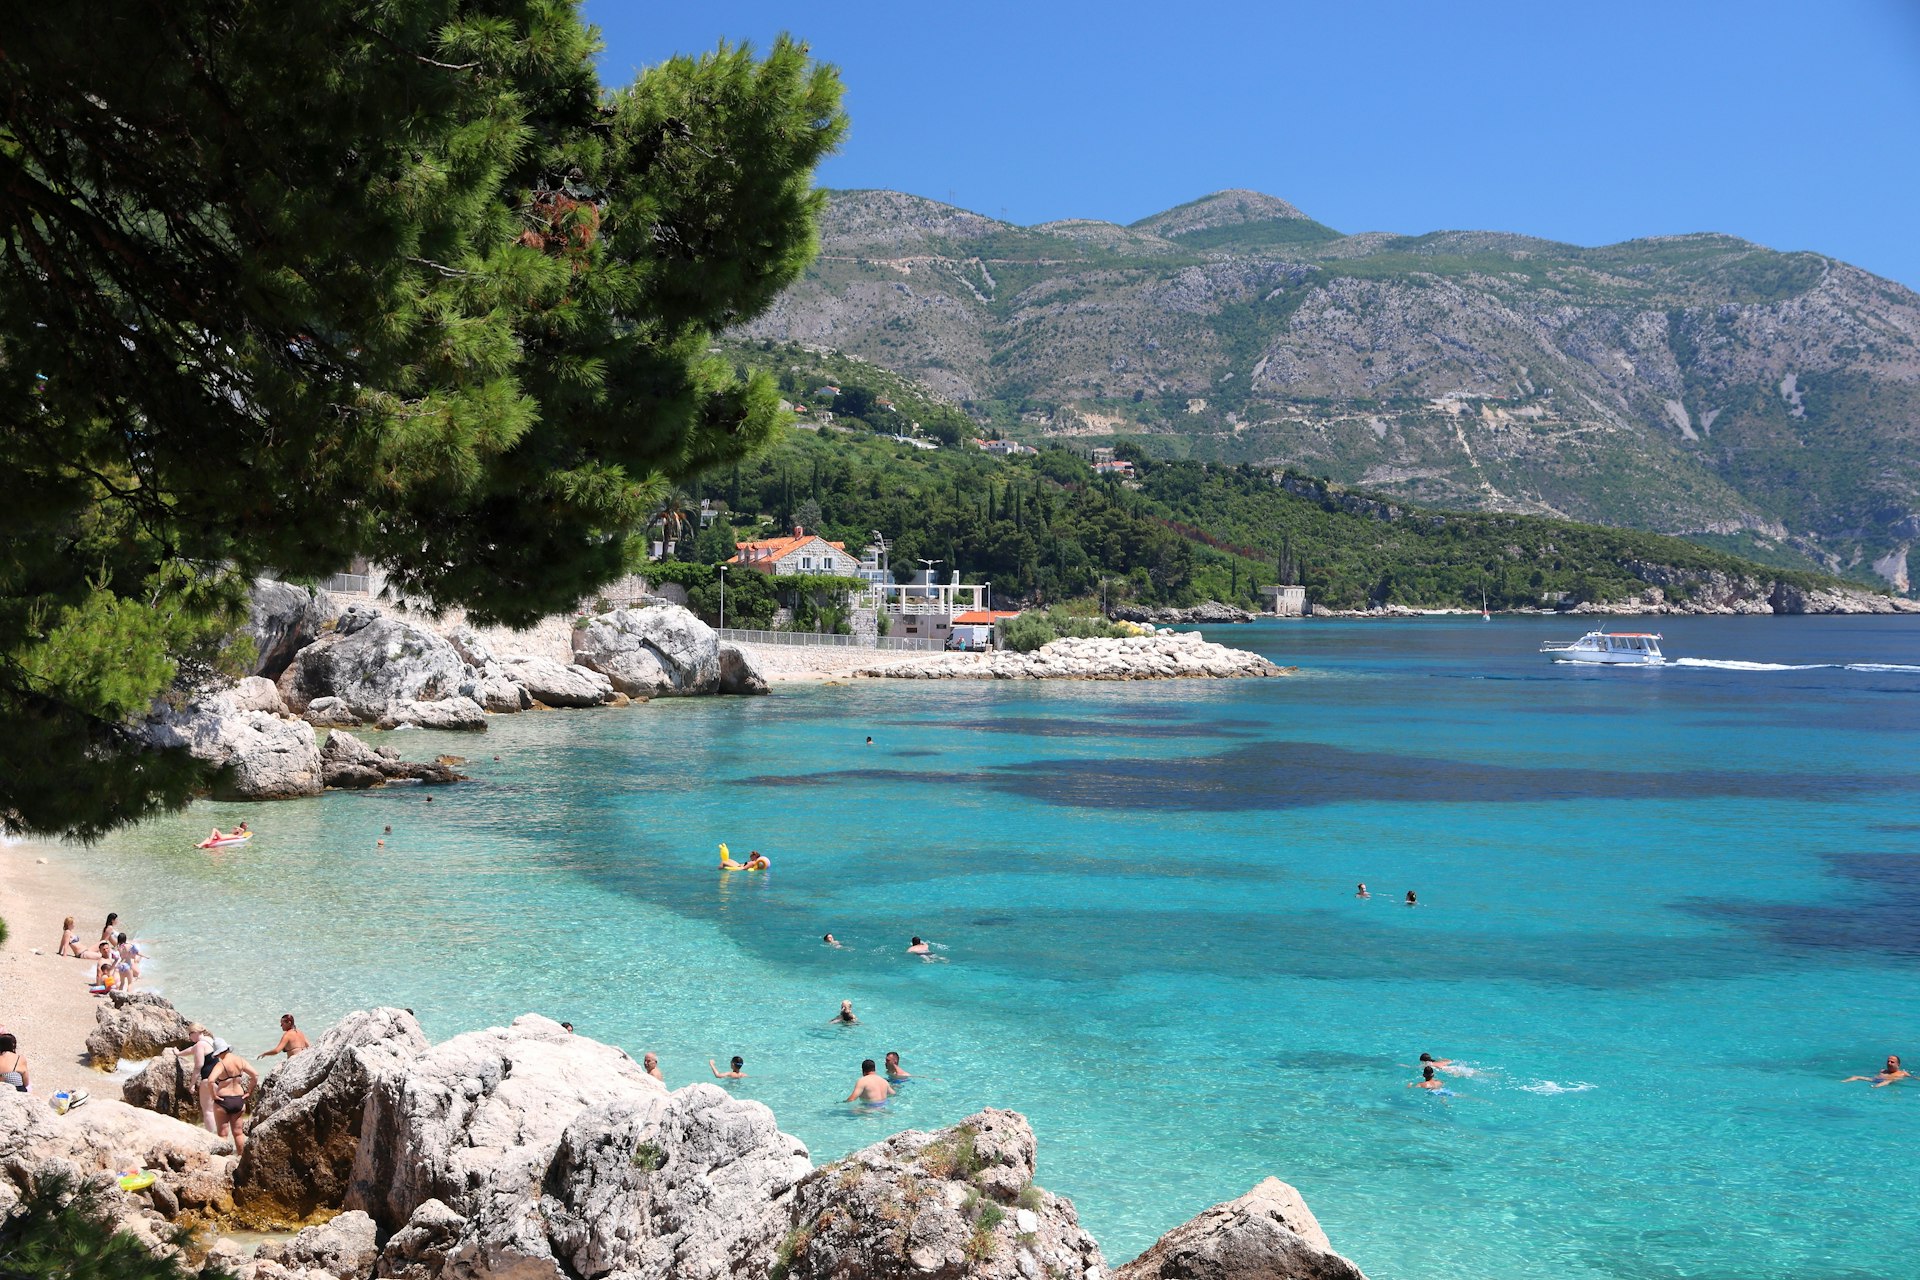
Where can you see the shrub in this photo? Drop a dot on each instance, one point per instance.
(61, 1230)
(1027, 632)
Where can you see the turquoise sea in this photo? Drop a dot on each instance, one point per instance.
(1661, 913)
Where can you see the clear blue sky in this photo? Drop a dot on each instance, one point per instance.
(1796, 125)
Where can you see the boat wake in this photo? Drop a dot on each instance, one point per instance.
(1734, 664)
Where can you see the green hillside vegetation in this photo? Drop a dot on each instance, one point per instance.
(1693, 384)
(1045, 529)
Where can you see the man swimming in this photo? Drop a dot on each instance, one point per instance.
(894, 1073)
(1361, 891)
(1886, 1075)
(845, 1017)
(1447, 1065)
(734, 1074)
(1428, 1080)
(1411, 900)
(918, 948)
(829, 940)
(871, 1089)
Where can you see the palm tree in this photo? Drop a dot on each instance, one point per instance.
(674, 515)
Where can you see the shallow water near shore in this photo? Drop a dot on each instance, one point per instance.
(1661, 913)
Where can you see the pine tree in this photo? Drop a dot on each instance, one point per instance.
(393, 278)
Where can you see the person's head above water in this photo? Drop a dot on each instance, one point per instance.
(826, 937)
(1893, 1062)
(893, 1057)
(649, 1061)
(916, 941)
(738, 1062)
(286, 1022)
(866, 1066)
(1426, 1073)
(1426, 1057)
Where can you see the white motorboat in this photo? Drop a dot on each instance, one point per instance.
(1610, 648)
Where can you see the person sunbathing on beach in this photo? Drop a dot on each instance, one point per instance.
(69, 940)
(1886, 1075)
(894, 1072)
(106, 934)
(734, 1074)
(13, 1065)
(292, 1039)
(871, 1089)
(845, 1017)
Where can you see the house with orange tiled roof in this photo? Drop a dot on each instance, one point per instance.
(802, 553)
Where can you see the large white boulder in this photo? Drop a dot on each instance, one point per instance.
(656, 650)
(136, 1025)
(965, 1197)
(374, 664)
(531, 1152)
(266, 758)
(305, 1131)
(559, 684)
(282, 619)
(739, 673)
(195, 1168)
(1267, 1234)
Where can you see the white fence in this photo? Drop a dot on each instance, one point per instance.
(828, 640)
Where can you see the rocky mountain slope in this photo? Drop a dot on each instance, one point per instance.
(1766, 402)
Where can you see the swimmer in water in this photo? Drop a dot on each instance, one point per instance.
(757, 861)
(869, 739)
(1361, 890)
(829, 940)
(871, 1089)
(918, 948)
(1411, 900)
(1886, 1075)
(894, 1073)
(735, 1073)
(652, 1063)
(1428, 1080)
(845, 1017)
(726, 860)
(1448, 1065)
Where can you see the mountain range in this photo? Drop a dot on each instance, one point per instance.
(1762, 402)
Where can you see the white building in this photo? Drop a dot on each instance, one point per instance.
(802, 553)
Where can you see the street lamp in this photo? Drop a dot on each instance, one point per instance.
(723, 597)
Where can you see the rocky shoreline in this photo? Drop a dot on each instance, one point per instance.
(1183, 655)
(319, 666)
(530, 1152)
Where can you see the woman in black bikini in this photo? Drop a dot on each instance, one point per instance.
(234, 1080)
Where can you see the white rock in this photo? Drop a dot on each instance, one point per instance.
(559, 684)
(653, 651)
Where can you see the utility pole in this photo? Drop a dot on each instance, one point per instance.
(723, 597)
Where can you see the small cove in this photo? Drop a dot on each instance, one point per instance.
(1662, 912)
